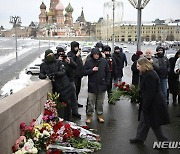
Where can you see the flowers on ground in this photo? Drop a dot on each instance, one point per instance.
(54, 135)
(125, 90)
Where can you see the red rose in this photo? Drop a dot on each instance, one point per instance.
(65, 137)
(57, 126)
(116, 84)
(127, 89)
(85, 127)
(76, 133)
(67, 126)
(127, 85)
(123, 83)
(120, 86)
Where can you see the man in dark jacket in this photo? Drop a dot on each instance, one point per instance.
(119, 58)
(97, 69)
(70, 66)
(163, 70)
(55, 70)
(112, 68)
(77, 74)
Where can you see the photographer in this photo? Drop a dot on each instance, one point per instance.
(55, 71)
(75, 55)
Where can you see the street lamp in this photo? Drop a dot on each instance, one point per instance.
(113, 26)
(15, 20)
(139, 5)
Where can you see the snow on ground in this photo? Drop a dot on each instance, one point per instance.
(16, 84)
(24, 79)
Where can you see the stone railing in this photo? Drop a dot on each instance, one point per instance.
(19, 107)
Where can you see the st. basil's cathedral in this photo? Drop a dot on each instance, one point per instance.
(55, 23)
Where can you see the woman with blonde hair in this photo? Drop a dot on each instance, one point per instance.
(153, 110)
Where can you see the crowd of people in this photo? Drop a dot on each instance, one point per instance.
(155, 75)
(66, 72)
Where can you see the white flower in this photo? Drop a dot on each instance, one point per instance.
(46, 133)
(34, 150)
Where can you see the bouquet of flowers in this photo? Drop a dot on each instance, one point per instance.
(125, 90)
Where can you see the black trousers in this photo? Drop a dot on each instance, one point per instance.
(77, 81)
(143, 130)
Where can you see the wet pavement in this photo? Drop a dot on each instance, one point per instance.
(121, 124)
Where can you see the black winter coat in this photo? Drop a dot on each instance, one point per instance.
(112, 67)
(172, 77)
(78, 72)
(60, 82)
(119, 59)
(153, 102)
(135, 74)
(164, 68)
(97, 81)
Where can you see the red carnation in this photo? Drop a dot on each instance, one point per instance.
(22, 126)
(47, 112)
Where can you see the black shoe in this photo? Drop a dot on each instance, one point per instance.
(80, 105)
(136, 141)
(77, 115)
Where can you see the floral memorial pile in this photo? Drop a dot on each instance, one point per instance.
(50, 134)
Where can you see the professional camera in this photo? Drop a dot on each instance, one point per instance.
(63, 56)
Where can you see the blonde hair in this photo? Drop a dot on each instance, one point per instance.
(145, 64)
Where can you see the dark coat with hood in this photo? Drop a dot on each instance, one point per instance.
(119, 59)
(153, 104)
(78, 72)
(97, 81)
(163, 61)
(172, 77)
(55, 70)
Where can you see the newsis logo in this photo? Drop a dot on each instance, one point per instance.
(166, 145)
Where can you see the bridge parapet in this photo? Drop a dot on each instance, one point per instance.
(19, 107)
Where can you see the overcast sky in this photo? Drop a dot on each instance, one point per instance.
(29, 10)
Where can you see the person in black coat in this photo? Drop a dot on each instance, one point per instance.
(173, 78)
(112, 68)
(75, 54)
(119, 59)
(135, 71)
(98, 72)
(153, 110)
(163, 70)
(55, 70)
